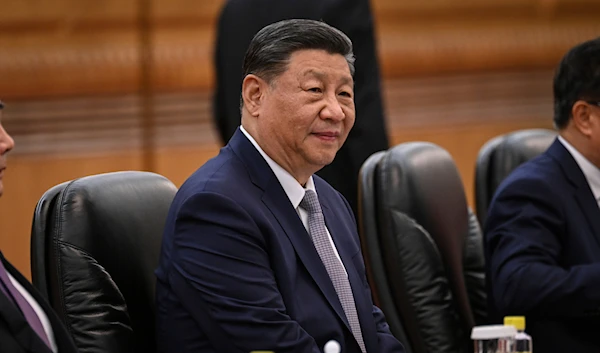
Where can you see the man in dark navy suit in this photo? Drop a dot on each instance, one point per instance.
(240, 20)
(27, 323)
(258, 253)
(542, 235)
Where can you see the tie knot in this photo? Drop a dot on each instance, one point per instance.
(310, 202)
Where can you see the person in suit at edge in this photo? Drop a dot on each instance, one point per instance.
(542, 235)
(258, 253)
(27, 323)
(240, 20)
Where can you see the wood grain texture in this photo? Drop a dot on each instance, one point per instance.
(69, 47)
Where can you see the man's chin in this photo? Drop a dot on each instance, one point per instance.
(325, 161)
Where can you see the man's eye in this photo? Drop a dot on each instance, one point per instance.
(315, 89)
(346, 94)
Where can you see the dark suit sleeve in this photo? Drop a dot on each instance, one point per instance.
(524, 233)
(222, 276)
(387, 342)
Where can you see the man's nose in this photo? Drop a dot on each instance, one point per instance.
(6, 142)
(333, 110)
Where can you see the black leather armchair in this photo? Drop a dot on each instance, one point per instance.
(430, 245)
(371, 249)
(500, 156)
(95, 244)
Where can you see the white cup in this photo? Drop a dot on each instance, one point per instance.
(494, 339)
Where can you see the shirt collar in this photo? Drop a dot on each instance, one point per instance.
(293, 189)
(590, 171)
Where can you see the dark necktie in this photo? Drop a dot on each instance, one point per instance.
(17, 298)
(335, 269)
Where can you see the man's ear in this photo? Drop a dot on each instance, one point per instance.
(253, 90)
(581, 118)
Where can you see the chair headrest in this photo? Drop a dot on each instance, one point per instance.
(103, 243)
(524, 145)
(431, 188)
(107, 216)
(500, 156)
(420, 180)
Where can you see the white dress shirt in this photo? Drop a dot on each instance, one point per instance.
(293, 189)
(38, 310)
(590, 171)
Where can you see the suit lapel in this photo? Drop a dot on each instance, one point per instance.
(341, 235)
(589, 207)
(16, 322)
(62, 337)
(583, 194)
(276, 200)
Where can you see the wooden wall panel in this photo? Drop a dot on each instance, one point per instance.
(69, 47)
(176, 9)
(75, 65)
(179, 162)
(435, 10)
(42, 11)
(410, 49)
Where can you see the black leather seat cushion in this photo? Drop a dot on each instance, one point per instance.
(420, 286)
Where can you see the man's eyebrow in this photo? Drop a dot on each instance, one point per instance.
(321, 76)
(312, 72)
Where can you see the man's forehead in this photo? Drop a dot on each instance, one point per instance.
(304, 55)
